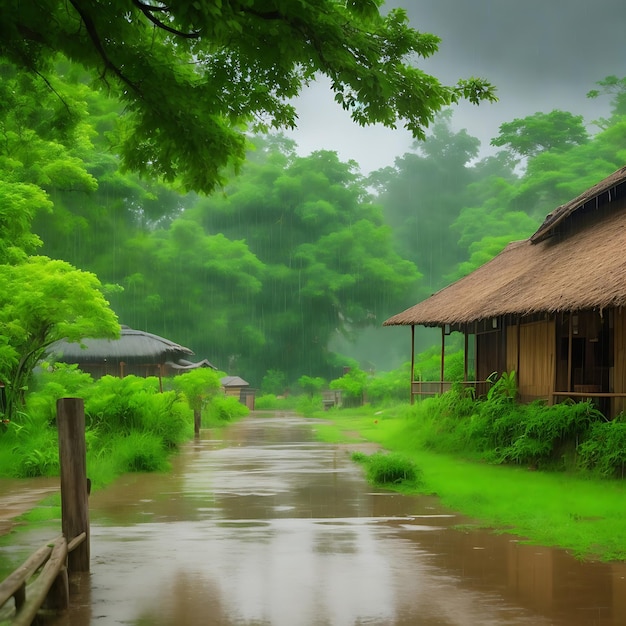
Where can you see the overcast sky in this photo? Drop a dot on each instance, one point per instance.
(540, 54)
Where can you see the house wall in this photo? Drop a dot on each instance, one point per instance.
(487, 360)
(512, 364)
(536, 359)
(619, 364)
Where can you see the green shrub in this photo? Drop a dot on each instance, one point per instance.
(116, 405)
(352, 385)
(139, 452)
(223, 408)
(33, 446)
(312, 386)
(274, 382)
(168, 417)
(198, 386)
(604, 451)
(266, 402)
(388, 387)
(309, 405)
(389, 469)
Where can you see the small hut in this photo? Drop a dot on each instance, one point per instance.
(551, 308)
(135, 352)
(239, 388)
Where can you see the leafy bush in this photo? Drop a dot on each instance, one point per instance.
(311, 386)
(392, 468)
(33, 447)
(604, 451)
(139, 452)
(168, 417)
(352, 385)
(308, 405)
(198, 386)
(274, 382)
(388, 387)
(223, 408)
(266, 402)
(428, 362)
(116, 405)
(500, 430)
(269, 401)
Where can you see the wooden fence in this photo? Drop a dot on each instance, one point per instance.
(42, 582)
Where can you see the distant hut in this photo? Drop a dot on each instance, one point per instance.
(551, 308)
(240, 389)
(135, 352)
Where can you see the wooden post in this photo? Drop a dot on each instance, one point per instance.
(197, 420)
(465, 350)
(412, 363)
(570, 344)
(443, 358)
(74, 491)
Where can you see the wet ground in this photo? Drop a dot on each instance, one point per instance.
(269, 527)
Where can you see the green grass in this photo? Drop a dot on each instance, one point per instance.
(585, 515)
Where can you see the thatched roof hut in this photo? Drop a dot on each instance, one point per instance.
(135, 352)
(582, 265)
(551, 308)
(133, 346)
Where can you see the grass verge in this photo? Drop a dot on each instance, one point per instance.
(584, 515)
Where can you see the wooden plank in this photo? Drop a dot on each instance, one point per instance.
(37, 592)
(536, 373)
(72, 545)
(18, 578)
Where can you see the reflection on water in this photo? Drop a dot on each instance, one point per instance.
(267, 527)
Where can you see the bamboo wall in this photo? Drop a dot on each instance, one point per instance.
(511, 348)
(619, 365)
(536, 360)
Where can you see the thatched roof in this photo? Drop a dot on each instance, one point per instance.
(182, 365)
(584, 270)
(607, 186)
(133, 346)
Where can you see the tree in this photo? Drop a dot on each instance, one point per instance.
(422, 196)
(329, 264)
(42, 301)
(533, 134)
(616, 87)
(194, 76)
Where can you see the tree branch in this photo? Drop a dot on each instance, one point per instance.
(95, 39)
(147, 10)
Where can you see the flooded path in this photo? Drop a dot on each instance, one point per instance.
(269, 527)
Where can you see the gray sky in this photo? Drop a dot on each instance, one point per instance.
(540, 54)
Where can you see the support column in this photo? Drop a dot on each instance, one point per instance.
(74, 489)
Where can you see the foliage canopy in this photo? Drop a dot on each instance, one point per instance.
(193, 76)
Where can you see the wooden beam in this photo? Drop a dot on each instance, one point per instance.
(443, 352)
(412, 376)
(13, 585)
(38, 591)
(569, 352)
(74, 489)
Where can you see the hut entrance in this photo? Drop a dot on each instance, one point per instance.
(585, 354)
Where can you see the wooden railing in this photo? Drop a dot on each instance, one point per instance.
(437, 387)
(40, 582)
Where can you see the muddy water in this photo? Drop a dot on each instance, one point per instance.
(15, 500)
(268, 527)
